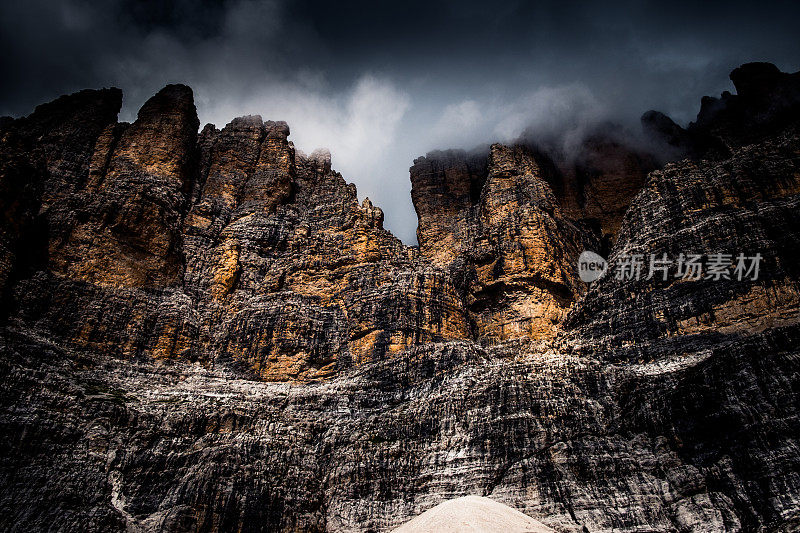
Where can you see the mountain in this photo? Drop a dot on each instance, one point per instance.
(209, 332)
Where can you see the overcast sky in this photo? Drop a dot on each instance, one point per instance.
(381, 83)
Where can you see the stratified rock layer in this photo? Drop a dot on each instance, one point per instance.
(747, 204)
(509, 226)
(227, 247)
(503, 237)
(209, 332)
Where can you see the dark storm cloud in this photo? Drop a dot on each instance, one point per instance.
(380, 83)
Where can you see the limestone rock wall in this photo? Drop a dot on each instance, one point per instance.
(510, 226)
(146, 239)
(746, 204)
(209, 332)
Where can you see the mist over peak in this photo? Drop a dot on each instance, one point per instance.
(382, 84)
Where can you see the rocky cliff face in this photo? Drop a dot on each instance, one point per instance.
(152, 241)
(766, 100)
(503, 236)
(208, 332)
(509, 225)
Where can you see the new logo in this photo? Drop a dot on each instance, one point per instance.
(591, 266)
